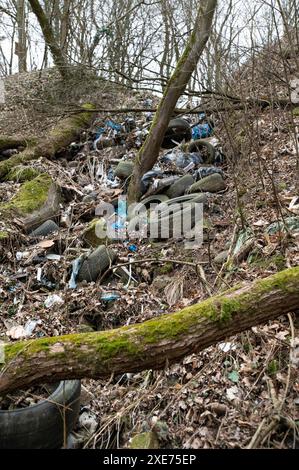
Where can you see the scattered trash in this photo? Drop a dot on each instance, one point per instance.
(45, 229)
(181, 159)
(290, 223)
(53, 299)
(226, 347)
(110, 296)
(76, 265)
(53, 257)
(133, 248)
(234, 376)
(232, 393)
(18, 331)
(205, 171)
(178, 130)
(88, 420)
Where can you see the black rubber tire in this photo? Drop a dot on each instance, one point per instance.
(178, 130)
(179, 187)
(45, 229)
(204, 148)
(42, 426)
(194, 197)
(96, 263)
(159, 198)
(172, 219)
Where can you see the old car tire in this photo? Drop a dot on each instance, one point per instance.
(44, 425)
(206, 149)
(178, 130)
(45, 229)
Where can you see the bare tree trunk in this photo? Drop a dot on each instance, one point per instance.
(21, 47)
(151, 344)
(175, 88)
(58, 57)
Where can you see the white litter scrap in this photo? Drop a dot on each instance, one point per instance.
(232, 393)
(53, 300)
(226, 347)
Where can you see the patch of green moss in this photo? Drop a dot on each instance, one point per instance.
(96, 232)
(273, 367)
(31, 196)
(21, 174)
(25, 156)
(145, 440)
(296, 111)
(131, 340)
(3, 235)
(265, 263)
(165, 269)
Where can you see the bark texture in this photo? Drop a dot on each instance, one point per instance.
(151, 344)
(175, 88)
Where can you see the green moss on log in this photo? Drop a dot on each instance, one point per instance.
(145, 440)
(31, 196)
(27, 155)
(131, 340)
(22, 173)
(10, 142)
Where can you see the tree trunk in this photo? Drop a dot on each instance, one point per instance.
(154, 343)
(58, 57)
(22, 40)
(175, 88)
(61, 136)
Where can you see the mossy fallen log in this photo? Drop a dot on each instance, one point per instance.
(151, 344)
(36, 201)
(12, 142)
(59, 137)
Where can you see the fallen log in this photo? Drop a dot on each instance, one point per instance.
(61, 136)
(151, 344)
(12, 142)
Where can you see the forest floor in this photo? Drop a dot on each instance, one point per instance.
(219, 397)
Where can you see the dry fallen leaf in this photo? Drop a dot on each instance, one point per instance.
(46, 243)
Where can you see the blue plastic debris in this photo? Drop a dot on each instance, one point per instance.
(76, 265)
(110, 296)
(113, 125)
(201, 131)
(133, 248)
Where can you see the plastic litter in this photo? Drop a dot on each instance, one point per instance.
(202, 131)
(133, 248)
(148, 178)
(110, 296)
(53, 299)
(204, 171)
(76, 265)
(182, 159)
(53, 257)
(292, 224)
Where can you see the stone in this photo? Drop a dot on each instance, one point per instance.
(210, 184)
(221, 257)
